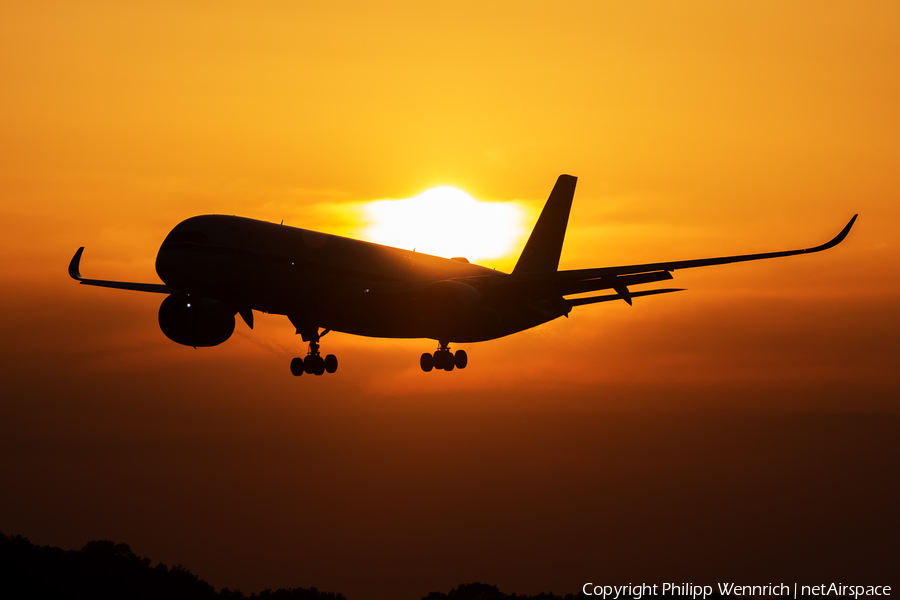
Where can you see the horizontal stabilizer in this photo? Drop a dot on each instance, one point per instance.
(611, 297)
(75, 273)
(567, 287)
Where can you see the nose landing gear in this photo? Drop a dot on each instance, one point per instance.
(444, 359)
(313, 363)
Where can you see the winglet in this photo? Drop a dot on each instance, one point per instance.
(74, 272)
(837, 239)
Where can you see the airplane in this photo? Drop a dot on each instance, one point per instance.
(217, 266)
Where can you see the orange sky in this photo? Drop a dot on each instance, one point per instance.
(695, 128)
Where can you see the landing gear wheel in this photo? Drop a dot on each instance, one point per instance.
(444, 359)
(331, 363)
(309, 364)
(319, 365)
(297, 367)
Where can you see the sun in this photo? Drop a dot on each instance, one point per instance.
(446, 221)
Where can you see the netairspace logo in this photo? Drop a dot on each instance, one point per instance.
(636, 592)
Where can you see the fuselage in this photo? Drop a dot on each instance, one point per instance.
(357, 287)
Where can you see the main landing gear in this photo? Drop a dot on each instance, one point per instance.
(444, 358)
(313, 363)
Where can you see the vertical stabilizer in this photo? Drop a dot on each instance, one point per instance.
(541, 253)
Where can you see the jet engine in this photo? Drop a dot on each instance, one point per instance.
(195, 321)
(454, 310)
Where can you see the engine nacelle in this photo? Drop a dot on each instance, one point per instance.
(195, 321)
(452, 309)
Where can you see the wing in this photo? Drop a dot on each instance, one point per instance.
(701, 262)
(74, 273)
(579, 281)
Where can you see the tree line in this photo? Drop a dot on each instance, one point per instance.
(104, 570)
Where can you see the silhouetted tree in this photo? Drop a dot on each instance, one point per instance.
(298, 594)
(105, 570)
(483, 591)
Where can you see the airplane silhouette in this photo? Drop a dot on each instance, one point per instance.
(216, 266)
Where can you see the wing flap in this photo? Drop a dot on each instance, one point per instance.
(611, 297)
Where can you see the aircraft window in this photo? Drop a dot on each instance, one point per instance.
(194, 237)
